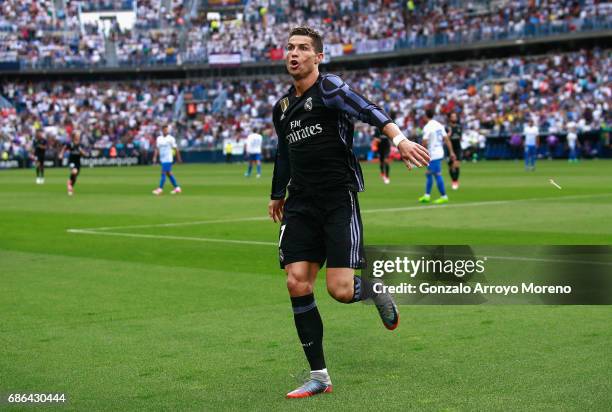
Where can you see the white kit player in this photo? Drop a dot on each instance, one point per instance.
(532, 141)
(572, 141)
(253, 149)
(165, 146)
(434, 138)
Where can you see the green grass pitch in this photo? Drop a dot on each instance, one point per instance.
(142, 316)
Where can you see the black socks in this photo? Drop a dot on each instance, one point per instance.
(310, 329)
(384, 168)
(363, 289)
(454, 173)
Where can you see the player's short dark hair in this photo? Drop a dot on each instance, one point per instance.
(430, 112)
(317, 40)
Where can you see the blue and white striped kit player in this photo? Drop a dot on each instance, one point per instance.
(166, 145)
(434, 137)
(253, 145)
(531, 132)
(572, 139)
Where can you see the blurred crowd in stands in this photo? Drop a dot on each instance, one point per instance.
(492, 98)
(359, 26)
(39, 34)
(32, 32)
(45, 33)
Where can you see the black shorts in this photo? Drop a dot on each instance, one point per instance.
(40, 157)
(322, 227)
(383, 154)
(74, 164)
(458, 151)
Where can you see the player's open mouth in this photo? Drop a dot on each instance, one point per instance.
(294, 64)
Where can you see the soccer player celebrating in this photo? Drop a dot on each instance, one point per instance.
(253, 149)
(164, 147)
(384, 148)
(320, 220)
(40, 147)
(434, 135)
(75, 151)
(456, 133)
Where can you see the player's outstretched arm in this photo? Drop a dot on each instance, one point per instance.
(338, 95)
(155, 152)
(179, 159)
(412, 153)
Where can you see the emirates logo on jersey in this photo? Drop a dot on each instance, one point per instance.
(302, 132)
(308, 104)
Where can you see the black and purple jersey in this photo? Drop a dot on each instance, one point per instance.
(315, 137)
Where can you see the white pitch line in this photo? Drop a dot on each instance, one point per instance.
(486, 203)
(385, 210)
(195, 239)
(438, 207)
(197, 222)
(252, 242)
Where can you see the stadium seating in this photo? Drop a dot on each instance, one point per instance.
(63, 33)
(493, 98)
